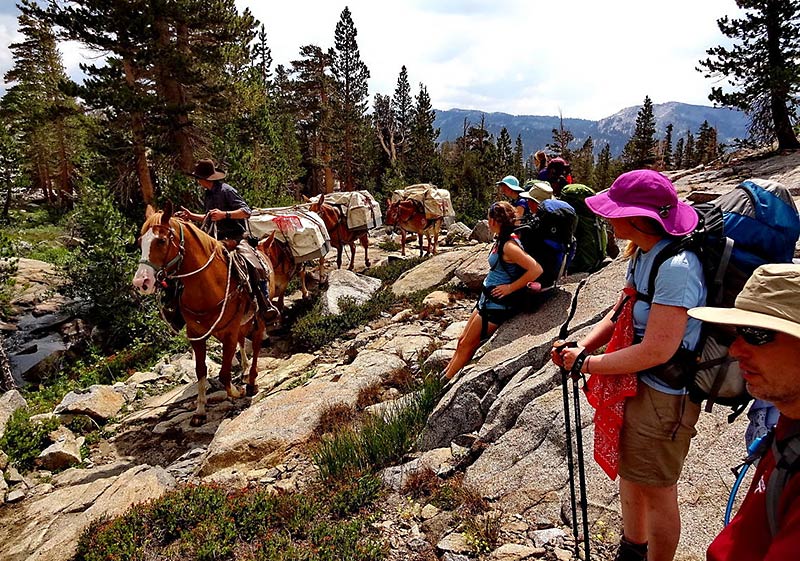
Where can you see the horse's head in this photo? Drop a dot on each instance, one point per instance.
(160, 248)
(316, 205)
(391, 214)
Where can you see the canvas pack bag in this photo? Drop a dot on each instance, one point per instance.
(436, 202)
(591, 238)
(302, 230)
(360, 208)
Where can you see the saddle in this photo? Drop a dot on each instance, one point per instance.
(251, 270)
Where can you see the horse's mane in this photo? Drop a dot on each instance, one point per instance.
(208, 243)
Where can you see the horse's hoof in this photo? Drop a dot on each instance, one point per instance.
(233, 393)
(198, 420)
(250, 390)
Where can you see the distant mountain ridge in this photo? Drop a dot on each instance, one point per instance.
(537, 130)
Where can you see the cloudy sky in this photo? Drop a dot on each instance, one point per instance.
(581, 58)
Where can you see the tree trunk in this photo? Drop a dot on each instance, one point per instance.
(6, 379)
(139, 146)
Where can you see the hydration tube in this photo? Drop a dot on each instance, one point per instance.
(753, 455)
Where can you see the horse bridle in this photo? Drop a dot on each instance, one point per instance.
(173, 265)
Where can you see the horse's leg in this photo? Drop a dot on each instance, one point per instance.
(229, 344)
(419, 239)
(243, 353)
(251, 388)
(339, 255)
(199, 348)
(303, 288)
(365, 244)
(435, 241)
(352, 245)
(402, 242)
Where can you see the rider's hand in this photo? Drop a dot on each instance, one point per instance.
(216, 214)
(184, 214)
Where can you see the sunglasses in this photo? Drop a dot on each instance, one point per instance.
(756, 336)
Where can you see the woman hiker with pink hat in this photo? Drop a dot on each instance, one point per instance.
(643, 426)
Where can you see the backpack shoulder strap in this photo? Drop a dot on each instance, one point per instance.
(787, 464)
(669, 251)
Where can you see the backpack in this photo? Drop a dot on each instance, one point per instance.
(591, 238)
(755, 223)
(549, 237)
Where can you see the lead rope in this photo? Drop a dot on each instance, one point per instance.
(224, 305)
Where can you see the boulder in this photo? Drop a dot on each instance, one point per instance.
(436, 299)
(288, 418)
(458, 232)
(472, 271)
(347, 284)
(9, 402)
(434, 271)
(481, 232)
(99, 402)
(47, 528)
(64, 452)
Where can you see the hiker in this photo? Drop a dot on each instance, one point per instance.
(509, 187)
(540, 158)
(559, 174)
(223, 206)
(766, 316)
(534, 194)
(643, 432)
(511, 269)
(224, 218)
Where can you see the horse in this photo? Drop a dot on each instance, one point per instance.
(213, 303)
(409, 216)
(336, 224)
(284, 266)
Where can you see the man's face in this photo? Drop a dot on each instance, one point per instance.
(772, 371)
(205, 183)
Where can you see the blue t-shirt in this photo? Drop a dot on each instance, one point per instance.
(520, 202)
(679, 282)
(499, 273)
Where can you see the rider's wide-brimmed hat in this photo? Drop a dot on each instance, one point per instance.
(645, 192)
(769, 300)
(204, 169)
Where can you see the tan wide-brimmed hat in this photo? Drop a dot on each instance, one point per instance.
(770, 300)
(204, 169)
(537, 191)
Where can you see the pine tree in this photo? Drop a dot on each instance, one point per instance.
(602, 172)
(642, 145)
(403, 107)
(561, 140)
(423, 165)
(47, 120)
(689, 155)
(667, 151)
(311, 91)
(763, 66)
(679, 160)
(350, 103)
(262, 55)
(505, 159)
(518, 159)
(386, 127)
(583, 163)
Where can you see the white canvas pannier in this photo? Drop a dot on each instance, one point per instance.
(436, 202)
(303, 230)
(361, 209)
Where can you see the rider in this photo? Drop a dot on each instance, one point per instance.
(226, 212)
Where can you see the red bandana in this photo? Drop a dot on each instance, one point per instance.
(607, 393)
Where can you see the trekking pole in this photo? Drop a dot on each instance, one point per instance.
(562, 335)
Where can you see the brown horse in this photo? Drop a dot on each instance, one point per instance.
(336, 224)
(213, 302)
(409, 216)
(284, 265)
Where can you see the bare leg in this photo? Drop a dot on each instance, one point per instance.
(199, 348)
(468, 343)
(650, 515)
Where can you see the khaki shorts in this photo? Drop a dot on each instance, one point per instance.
(655, 436)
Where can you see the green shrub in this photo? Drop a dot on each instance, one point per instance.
(316, 329)
(380, 440)
(392, 270)
(24, 440)
(389, 245)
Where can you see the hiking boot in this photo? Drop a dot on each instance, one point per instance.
(630, 551)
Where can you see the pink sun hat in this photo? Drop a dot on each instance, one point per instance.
(645, 192)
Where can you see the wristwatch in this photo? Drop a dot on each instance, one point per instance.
(228, 214)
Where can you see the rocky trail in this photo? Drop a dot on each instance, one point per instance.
(500, 427)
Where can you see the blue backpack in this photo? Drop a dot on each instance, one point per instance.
(753, 224)
(549, 237)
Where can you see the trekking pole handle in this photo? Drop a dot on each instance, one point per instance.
(575, 372)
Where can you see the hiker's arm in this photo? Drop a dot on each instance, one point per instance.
(662, 337)
(186, 214)
(512, 253)
(238, 214)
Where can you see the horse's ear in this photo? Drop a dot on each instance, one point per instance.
(306, 199)
(268, 241)
(149, 211)
(321, 199)
(167, 212)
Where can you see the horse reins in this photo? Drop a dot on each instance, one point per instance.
(177, 261)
